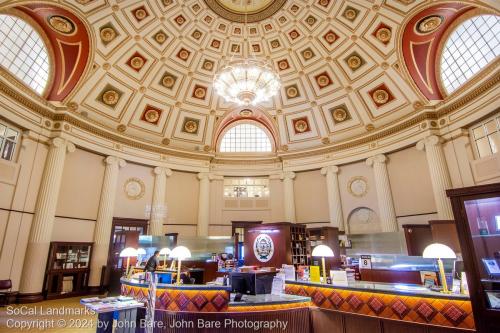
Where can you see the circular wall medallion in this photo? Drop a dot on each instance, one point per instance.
(107, 34)
(137, 62)
(357, 186)
(263, 247)
(354, 62)
(380, 96)
(191, 126)
(110, 97)
(134, 188)
(383, 35)
(301, 126)
(429, 24)
(245, 10)
(339, 114)
(151, 116)
(61, 24)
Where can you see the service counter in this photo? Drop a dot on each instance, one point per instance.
(385, 307)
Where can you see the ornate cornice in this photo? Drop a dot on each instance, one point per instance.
(267, 12)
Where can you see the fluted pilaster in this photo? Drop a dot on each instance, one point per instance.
(440, 176)
(203, 204)
(384, 195)
(102, 231)
(159, 192)
(288, 196)
(334, 201)
(43, 219)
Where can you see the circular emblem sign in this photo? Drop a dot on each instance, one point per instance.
(263, 247)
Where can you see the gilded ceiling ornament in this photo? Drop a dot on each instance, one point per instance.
(121, 128)
(324, 3)
(370, 127)
(134, 188)
(83, 2)
(196, 34)
(183, 54)
(137, 62)
(380, 96)
(275, 44)
(200, 92)
(160, 37)
(245, 10)
(190, 125)
(165, 141)
(168, 80)
(383, 35)
(354, 62)
(307, 54)
(294, 34)
(284, 147)
(292, 91)
(140, 13)
(208, 65)
(107, 34)
(311, 20)
(339, 115)
(283, 64)
(110, 97)
(180, 20)
(323, 80)
(301, 126)
(325, 141)
(246, 113)
(330, 37)
(61, 24)
(350, 13)
(429, 24)
(152, 115)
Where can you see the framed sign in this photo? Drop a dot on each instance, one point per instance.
(263, 248)
(365, 262)
(491, 266)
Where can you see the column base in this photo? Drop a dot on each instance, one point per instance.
(29, 297)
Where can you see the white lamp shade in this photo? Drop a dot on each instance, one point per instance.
(439, 251)
(165, 251)
(141, 251)
(180, 253)
(128, 252)
(322, 251)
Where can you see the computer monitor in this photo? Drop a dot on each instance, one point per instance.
(243, 283)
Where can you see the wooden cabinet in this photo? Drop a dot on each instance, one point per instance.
(477, 214)
(445, 232)
(417, 236)
(328, 236)
(67, 271)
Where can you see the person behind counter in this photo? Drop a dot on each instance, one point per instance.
(153, 262)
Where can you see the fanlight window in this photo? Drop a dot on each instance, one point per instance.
(23, 52)
(245, 138)
(474, 44)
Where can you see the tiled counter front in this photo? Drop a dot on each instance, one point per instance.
(440, 311)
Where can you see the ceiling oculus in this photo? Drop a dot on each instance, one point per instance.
(235, 10)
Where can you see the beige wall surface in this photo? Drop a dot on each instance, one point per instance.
(182, 200)
(277, 203)
(72, 230)
(410, 182)
(311, 197)
(81, 185)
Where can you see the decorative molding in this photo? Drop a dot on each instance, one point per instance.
(134, 188)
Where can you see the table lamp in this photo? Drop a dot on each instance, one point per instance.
(140, 252)
(165, 252)
(127, 253)
(322, 251)
(440, 251)
(180, 253)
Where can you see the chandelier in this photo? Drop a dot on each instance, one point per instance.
(248, 81)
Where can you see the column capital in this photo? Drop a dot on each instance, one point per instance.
(162, 171)
(287, 175)
(431, 140)
(330, 169)
(112, 160)
(60, 142)
(380, 158)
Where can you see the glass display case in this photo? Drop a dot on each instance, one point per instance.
(477, 214)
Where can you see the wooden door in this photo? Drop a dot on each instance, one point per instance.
(418, 236)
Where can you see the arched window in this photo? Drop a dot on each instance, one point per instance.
(245, 138)
(474, 44)
(23, 52)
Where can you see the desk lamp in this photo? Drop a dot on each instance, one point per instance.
(127, 253)
(322, 251)
(165, 252)
(440, 251)
(180, 253)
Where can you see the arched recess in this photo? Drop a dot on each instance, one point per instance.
(422, 41)
(246, 115)
(68, 42)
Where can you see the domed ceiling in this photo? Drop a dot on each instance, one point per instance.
(155, 60)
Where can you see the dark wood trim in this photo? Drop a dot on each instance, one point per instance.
(23, 298)
(75, 218)
(16, 211)
(419, 214)
(59, 216)
(188, 225)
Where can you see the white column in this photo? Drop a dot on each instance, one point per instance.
(288, 196)
(334, 201)
(102, 231)
(440, 176)
(203, 204)
(384, 195)
(158, 204)
(37, 250)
